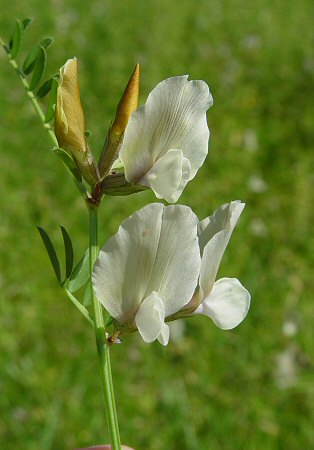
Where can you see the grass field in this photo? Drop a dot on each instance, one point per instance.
(247, 389)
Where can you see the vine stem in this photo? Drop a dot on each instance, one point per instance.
(103, 346)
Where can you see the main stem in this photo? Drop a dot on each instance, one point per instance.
(101, 341)
(103, 346)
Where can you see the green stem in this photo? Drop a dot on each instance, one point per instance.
(80, 185)
(79, 306)
(31, 95)
(103, 346)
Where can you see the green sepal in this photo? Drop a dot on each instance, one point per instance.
(52, 99)
(68, 161)
(116, 184)
(80, 274)
(39, 68)
(26, 22)
(69, 253)
(46, 42)
(15, 41)
(51, 253)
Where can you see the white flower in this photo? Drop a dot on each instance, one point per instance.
(225, 301)
(166, 140)
(150, 269)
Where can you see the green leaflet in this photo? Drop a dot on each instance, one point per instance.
(69, 259)
(68, 161)
(44, 88)
(52, 99)
(46, 42)
(80, 274)
(69, 254)
(36, 54)
(39, 68)
(15, 41)
(26, 22)
(16, 38)
(30, 60)
(51, 253)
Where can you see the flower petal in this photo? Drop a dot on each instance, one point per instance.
(174, 117)
(214, 235)
(123, 268)
(155, 249)
(177, 262)
(150, 318)
(211, 258)
(168, 175)
(224, 218)
(227, 305)
(163, 336)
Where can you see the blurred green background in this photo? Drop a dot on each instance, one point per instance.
(250, 388)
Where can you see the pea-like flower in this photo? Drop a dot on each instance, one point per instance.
(166, 140)
(225, 301)
(161, 265)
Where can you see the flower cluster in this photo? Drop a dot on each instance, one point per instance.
(162, 263)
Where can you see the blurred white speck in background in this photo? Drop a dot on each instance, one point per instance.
(257, 184)
(258, 227)
(250, 141)
(285, 373)
(289, 328)
(251, 42)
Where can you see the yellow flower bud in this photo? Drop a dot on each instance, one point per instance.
(69, 122)
(126, 106)
(69, 116)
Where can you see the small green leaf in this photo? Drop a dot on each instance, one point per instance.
(52, 100)
(26, 22)
(51, 253)
(68, 161)
(15, 41)
(30, 60)
(44, 88)
(35, 54)
(46, 42)
(80, 274)
(39, 68)
(88, 133)
(69, 254)
(87, 298)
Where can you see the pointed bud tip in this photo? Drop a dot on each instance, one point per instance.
(69, 69)
(127, 105)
